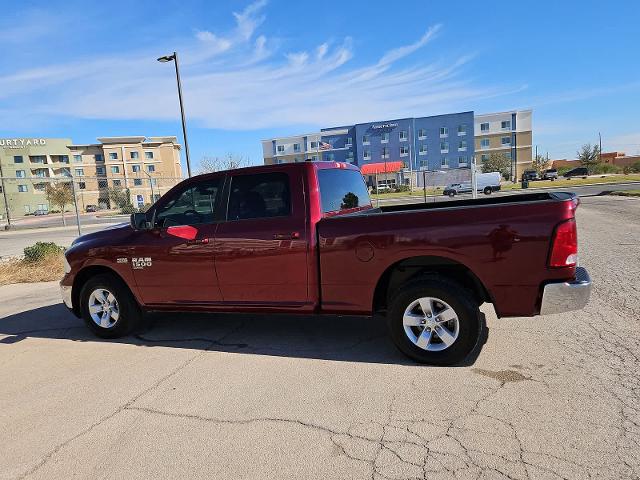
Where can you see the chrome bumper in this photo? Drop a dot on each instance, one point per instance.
(567, 296)
(65, 291)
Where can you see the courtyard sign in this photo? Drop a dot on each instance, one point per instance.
(22, 142)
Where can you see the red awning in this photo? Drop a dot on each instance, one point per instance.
(382, 167)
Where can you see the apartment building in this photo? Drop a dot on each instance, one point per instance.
(147, 166)
(509, 133)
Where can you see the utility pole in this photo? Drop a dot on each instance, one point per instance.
(600, 148)
(4, 194)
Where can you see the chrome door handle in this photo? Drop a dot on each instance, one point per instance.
(198, 241)
(286, 236)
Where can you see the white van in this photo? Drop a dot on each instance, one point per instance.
(487, 183)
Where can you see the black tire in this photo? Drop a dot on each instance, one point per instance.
(463, 302)
(487, 190)
(452, 194)
(129, 311)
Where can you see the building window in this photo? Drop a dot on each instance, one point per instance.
(349, 156)
(135, 168)
(505, 125)
(99, 157)
(444, 163)
(151, 168)
(484, 157)
(22, 188)
(20, 174)
(280, 148)
(462, 146)
(385, 137)
(462, 161)
(385, 153)
(115, 169)
(313, 145)
(508, 155)
(64, 158)
(296, 147)
(77, 158)
(403, 136)
(38, 159)
(113, 156)
(137, 182)
(505, 140)
(462, 129)
(117, 183)
(424, 164)
(148, 155)
(365, 140)
(134, 155)
(18, 159)
(444, 132)
(79, 172)
(82, 185)
(484, 143)
(348, 142)
(367, 154)
(422, 134)
(422, 149)
(404, 150)
(331, 157)
(484, 127)
(314, 158)
(444, 147)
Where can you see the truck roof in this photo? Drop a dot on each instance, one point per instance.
(283, 166)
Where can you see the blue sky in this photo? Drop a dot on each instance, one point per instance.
(273, 67)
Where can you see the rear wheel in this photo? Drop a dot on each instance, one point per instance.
(452, 194)
(108, 307)
(487, 190)
(434, 320)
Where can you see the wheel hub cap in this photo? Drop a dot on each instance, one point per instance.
(104, 308)
(431, 324)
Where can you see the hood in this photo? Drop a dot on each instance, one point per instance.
(110, 232)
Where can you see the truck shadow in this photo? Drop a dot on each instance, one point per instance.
(338, 338)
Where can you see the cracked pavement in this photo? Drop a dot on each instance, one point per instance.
(239, 396)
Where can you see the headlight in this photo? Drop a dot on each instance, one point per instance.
(67, 266)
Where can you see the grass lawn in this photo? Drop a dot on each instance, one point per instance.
(562, 182)
(627, 193)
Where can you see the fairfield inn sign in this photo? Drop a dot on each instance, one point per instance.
(22, 142)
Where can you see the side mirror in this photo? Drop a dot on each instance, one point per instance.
(139, 221)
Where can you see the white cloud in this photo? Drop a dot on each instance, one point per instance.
(233, 81)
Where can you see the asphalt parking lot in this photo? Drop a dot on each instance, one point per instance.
(281, 397)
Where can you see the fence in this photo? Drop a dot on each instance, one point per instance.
(24, 201)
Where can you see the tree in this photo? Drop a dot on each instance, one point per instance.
(228, 162)
(497, 162)
(60, 195)
(589, 156)
(540, 163)
(121, 198)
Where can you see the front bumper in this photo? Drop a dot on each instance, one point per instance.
(567, 296)
(65, 291)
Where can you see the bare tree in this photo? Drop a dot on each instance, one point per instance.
(540, 163)
(209, 164)
(59, 195)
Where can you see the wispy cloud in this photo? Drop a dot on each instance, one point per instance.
(242, 79)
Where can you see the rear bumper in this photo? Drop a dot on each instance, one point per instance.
(567, 296)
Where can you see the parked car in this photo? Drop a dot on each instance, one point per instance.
(577, 172)
(40, 212)
(550, 174)
(486, 183)
(530, 175)
(303, 238)
(91, 209)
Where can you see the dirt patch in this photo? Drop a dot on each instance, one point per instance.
(21, 271)
(504, 376)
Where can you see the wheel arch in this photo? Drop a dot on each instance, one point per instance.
(91, 271)
(409, 268)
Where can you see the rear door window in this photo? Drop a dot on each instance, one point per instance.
(259, 196)
(342, 189)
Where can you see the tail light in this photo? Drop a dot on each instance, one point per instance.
(564, 246)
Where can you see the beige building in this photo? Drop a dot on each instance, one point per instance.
(509, 133)
(145, 166)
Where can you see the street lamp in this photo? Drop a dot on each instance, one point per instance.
(174, 58)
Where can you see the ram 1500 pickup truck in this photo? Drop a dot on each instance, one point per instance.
(304, 238)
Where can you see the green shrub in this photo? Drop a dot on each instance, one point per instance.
(401, 188)
(600, 168)
(41, 250)
(128, 209)
(635, 168)
(563, 170)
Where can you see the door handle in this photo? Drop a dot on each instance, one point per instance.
(286, 236)
(198, 241)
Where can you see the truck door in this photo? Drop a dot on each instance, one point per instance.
(261, 249)
(173, 262)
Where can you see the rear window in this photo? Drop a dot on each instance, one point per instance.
(342, 189)
(259, 196)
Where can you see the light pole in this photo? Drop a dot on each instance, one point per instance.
(174, 58)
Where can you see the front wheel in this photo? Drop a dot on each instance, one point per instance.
(108, 307)
(435, 321)
(452, 194)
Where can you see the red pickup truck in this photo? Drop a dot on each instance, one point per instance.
(304, 238)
